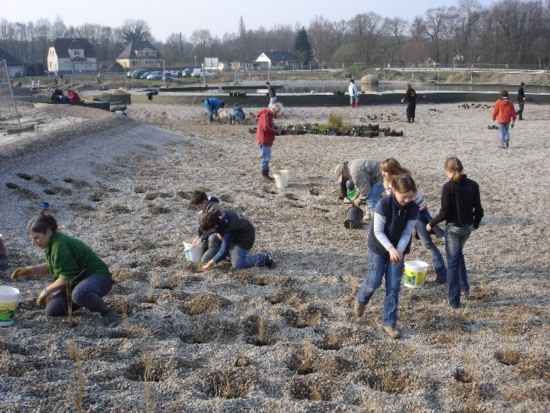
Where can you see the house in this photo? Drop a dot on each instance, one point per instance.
(139, 54)
(71, 56)
(213, 64)
(15, 67)
(276, 60)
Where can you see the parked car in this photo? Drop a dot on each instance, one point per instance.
(136, 74)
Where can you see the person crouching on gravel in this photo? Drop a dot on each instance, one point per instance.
(238, 236)
(210, 241)
(212, 106)
(265, 136)
(365, 177)
(504, 114)
(389, 241)
(79, 274)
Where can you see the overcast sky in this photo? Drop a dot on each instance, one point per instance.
(170, 16)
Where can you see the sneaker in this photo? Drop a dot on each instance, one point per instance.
(110, 318)
(269, 262)
(268, 178)
(359, 309)
(393, 332)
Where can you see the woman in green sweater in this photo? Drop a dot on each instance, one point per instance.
(75, 268)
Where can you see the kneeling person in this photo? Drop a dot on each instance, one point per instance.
(238, 236)
(210, 240)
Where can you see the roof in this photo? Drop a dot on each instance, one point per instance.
(277, 56)
(10, 60)
(135, 46)
(63, 45)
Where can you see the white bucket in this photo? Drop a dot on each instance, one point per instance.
(9, 298)
(281, 179)
(192, 253)
(415, 272)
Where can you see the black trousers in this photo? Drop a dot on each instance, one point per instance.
(411, 112)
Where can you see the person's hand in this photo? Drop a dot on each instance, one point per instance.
(41, 300)
(395, 256)
(208, 266)
(195, 241)
(22, 272)
(428, 227)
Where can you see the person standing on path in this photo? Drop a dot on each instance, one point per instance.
(389, 242)
(81, 278)
(505, 115)
(353, 92)
(272, 93)
(521, 100)
(461, 209)
(410, 100)
(265, 136)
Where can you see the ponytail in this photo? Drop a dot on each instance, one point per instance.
(454, 166)
(43, 223)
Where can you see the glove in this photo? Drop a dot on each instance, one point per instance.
(22, 272)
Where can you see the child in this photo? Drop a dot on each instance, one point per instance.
(265, 136)
(238, 235)
(461, 209)
(209, 240)
(390, 169)
(80, 277)
(505, 115)
(237, 115)
(388, 242)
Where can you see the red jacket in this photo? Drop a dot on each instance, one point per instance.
(74, 98)
(265, 130)
(503, 111)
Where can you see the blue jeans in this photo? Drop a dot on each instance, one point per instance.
(210, 247)
(455, 238)
(378, 267)
(504, 129)
(374, 195)
(265, 157)
(437, 259)
(241, 258)
(88, 293)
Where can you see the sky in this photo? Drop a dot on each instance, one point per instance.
(185, 16)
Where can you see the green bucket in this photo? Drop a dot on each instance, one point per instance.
(9, 298)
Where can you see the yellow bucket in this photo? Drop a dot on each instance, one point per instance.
(415, 273)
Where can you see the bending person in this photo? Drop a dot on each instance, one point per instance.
(80, 277)
(210, 241)
(366, 179)
(238, 235)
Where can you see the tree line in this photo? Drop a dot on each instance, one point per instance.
(508, 32)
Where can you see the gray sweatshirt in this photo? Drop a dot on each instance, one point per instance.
(364, 175)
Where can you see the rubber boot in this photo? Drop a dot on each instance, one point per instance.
(265, 174)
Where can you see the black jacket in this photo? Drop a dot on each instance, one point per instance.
(460, 204)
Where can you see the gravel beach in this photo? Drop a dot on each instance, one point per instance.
(280, 340)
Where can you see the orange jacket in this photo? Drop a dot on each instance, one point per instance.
(503, 111)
